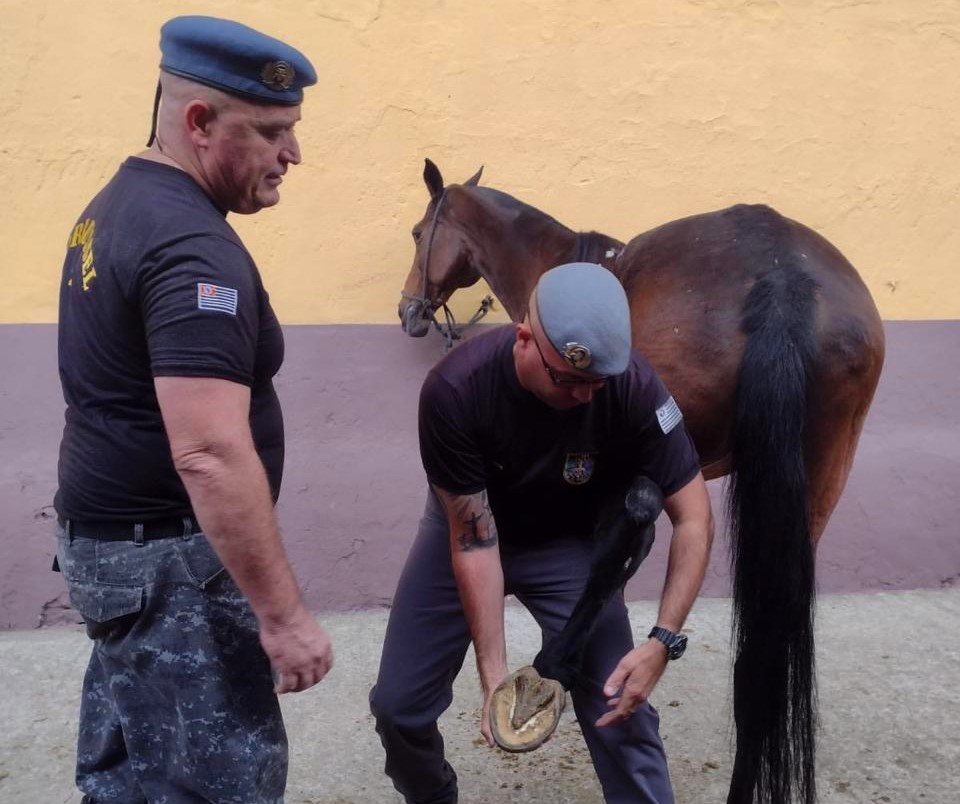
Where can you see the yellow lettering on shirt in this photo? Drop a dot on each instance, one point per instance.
(82, 236)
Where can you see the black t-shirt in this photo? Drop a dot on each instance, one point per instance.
(546, 471)
(155, 283)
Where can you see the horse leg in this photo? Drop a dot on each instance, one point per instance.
(623, 537)
(830, 464)
(847, 378)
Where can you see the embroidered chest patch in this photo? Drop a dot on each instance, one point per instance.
(578, 468)
(669, 415)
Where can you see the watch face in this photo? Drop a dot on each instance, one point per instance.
(676, 644)
(678, 647)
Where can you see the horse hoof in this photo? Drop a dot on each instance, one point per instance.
(525, 710)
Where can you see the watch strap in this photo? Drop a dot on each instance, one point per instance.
(675, 643)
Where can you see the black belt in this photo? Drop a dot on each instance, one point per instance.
(129, 531)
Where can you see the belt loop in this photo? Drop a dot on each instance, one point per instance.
(68, 529)
(187, 527)
(138, 534)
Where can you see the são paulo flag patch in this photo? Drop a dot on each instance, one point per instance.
(215, 297)
(669, 415)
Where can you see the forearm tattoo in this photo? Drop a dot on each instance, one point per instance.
(473, 519)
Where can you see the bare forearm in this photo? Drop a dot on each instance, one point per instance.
(480, 582)
(689, 555)
(637, 673)
(231, 499)
(475, 555)
(208, 425)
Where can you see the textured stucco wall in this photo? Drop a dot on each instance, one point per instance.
(614, 115)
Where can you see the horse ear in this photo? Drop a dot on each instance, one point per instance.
(475, 178)
(432, 178)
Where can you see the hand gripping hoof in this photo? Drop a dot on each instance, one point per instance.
(525, 710)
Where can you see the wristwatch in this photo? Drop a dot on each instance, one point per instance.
(676, 643)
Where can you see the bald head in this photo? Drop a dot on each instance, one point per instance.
(176, 95)
(177, 89)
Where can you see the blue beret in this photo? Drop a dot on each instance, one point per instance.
(583, 311)
(236, 59)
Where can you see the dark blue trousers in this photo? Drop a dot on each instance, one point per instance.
(426, 641)
(178, 704)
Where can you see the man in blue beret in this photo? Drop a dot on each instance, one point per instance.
(172, 452)
(526, 432)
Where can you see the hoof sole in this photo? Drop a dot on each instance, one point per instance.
(525, 710)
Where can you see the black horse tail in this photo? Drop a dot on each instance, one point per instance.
(774, 698)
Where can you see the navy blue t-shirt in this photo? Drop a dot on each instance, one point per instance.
(546, 471)
(155, 283)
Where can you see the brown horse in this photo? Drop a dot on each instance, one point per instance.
(772, 347)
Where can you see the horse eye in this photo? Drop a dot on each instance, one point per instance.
(416, 235)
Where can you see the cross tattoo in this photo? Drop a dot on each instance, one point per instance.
(472, 540)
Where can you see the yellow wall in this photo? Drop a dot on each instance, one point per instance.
(616, 115)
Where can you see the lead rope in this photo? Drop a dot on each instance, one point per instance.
(452, 331)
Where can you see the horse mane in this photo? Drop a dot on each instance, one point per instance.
(515, 206)
(599, 248)
(590, 246)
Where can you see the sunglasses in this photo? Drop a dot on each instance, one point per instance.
(560, 379)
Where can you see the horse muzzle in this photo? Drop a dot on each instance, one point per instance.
(413, 319)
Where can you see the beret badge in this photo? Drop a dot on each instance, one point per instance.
(577, 355)
(278, 75)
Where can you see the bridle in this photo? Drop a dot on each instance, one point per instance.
(449, 330)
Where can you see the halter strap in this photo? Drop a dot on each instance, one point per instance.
(450, 331)
(433, 232)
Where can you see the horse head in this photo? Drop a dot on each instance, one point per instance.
(441, 262)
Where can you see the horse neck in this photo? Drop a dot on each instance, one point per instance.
(513, 268)
(513, 244)
(515, 253)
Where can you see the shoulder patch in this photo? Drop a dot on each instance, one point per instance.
(214, 297)
(669, 415)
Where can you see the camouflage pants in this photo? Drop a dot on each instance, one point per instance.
(178, 703)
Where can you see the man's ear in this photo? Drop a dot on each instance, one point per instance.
(524, 332)
(197, 117)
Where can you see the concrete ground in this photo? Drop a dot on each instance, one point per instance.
(889, 674)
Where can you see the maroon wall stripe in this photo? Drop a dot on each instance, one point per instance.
(354, 489)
